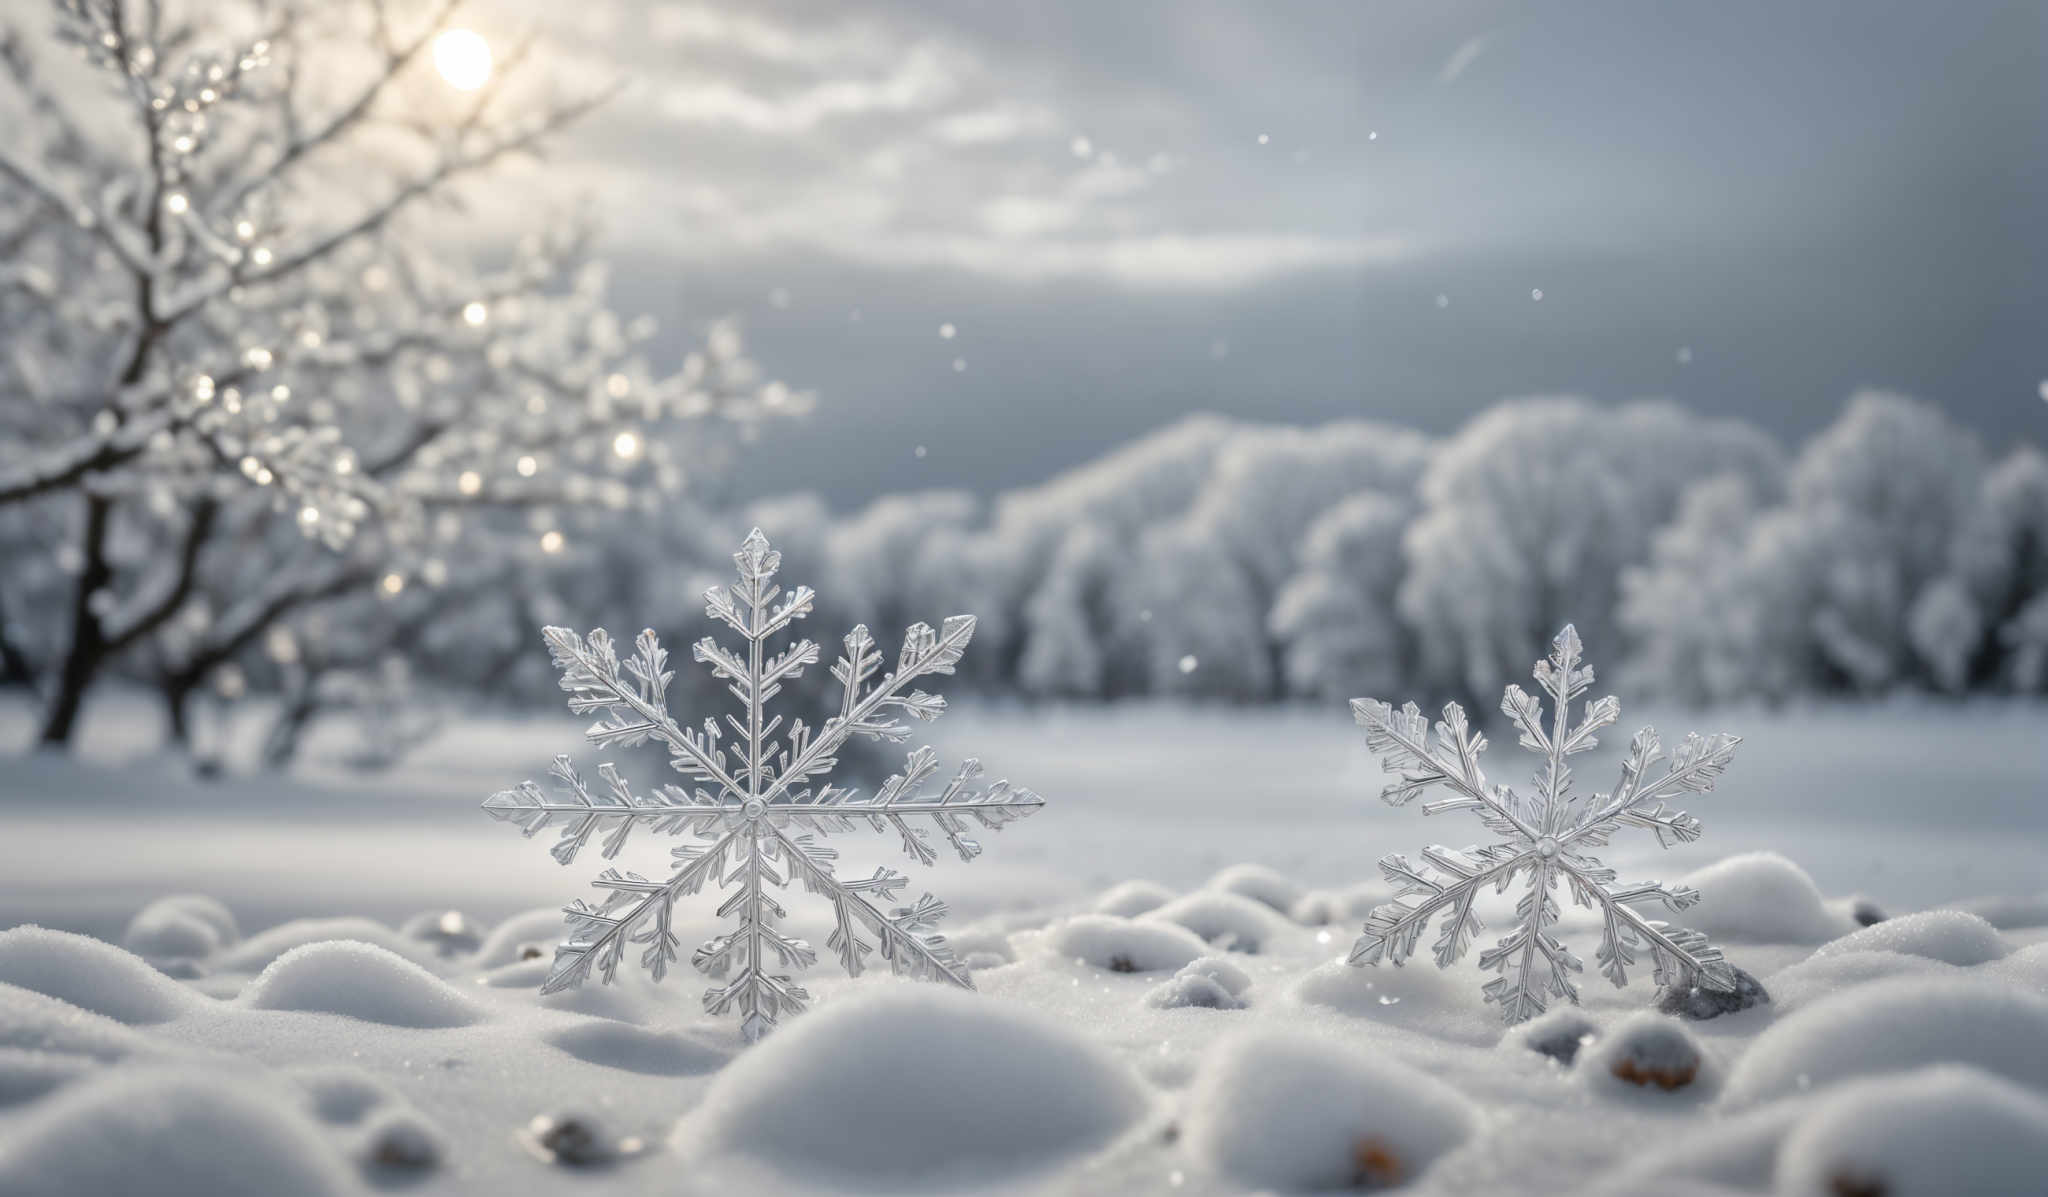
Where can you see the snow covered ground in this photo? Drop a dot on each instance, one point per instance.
(271, 1049)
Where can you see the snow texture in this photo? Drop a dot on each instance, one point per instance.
(359, 980)
(1894, 1025)
(183, 926)
(1124, 945)
(1292, 1112)
(1259, 883)
(190, 1135)
(1224, 920)
(1761, 896)
(758, 809)
(1939, 1132)
(1129, 899)
(1950, 936)
(89, 974)
(1547, 835)
(996, 1091)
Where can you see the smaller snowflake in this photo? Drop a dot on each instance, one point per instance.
(1547, 835)
(758, 808)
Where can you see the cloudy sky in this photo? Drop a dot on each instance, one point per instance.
(1128, 210)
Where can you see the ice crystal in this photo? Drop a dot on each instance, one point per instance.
(757, 805)
(1547, 834)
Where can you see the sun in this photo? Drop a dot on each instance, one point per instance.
(464, 59)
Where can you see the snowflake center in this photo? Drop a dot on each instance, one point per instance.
(1546, 847)
(752, 809)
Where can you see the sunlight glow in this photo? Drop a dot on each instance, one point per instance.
(463, 58)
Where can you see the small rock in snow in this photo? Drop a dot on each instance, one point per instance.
(1287, 1111)
(576, 1141)
(1647, 1051)
(1866, 912)
(1697, 1003)
(400, 1142)
(1558, 1034)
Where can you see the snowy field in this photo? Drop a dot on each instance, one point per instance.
(1107, 1052)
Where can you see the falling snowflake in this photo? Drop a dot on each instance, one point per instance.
(758, 806)
(1547, 833)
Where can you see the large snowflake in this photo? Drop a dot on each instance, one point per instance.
(1547, 835)
(758, 806)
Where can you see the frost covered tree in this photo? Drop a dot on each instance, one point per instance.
(1532, 511)
(1336, 617)
(1981, 624)
(1852, 581)
(1886, 488)
(248, 362)
(1197, 615)
(1265, 490)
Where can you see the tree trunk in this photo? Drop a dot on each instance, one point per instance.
(177, 696)
(15, 667)
(86, 648)
(281, 744)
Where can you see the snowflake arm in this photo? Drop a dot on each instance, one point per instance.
(1546, 840)
(758, 804)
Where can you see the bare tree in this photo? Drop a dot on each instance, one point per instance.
(250, 362)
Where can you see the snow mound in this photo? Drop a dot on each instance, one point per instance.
(190, 1135)
(1124, 945)
(90, 974)
(1891, 1026)
(914, 1086)
(619, 1045)
(1817, 977)
(528, 935)
(1130, 899)
(26, 1075)
(1761, 897)
(398, 1145)
(1211, 983)
(359, 980)
(37, 1022)
(1950, 936)
(1424, 998)
(1227, 921)
(1941, 1132)
(343, 1094)
(1648, 1053)
(181, 927)
(2006, 913)
(261, 950)
(447, 932)
(1558, 1035)
(2027, 967)
(1267, 887)
(1323, 907)
(1286, 1111)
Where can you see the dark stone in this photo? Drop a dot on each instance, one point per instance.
(1867, 913)
(1699, 1003)
(1559, 1035)
(574, 1141)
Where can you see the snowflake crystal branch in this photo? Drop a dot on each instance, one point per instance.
(1545, 837)
(757, 806)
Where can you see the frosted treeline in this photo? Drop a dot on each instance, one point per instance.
(1252, 563)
